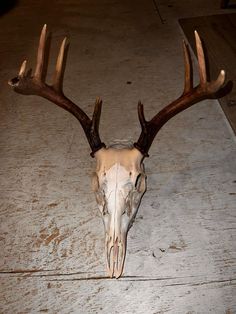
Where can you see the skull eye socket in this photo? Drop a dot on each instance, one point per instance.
(128, 205)
(137, 182)
(95, 182)
(103, 203)
(140, 183)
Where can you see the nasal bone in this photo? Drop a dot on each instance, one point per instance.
(115, 258)
(115, 248)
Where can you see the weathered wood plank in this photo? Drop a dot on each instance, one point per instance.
(181, 249)
(154, 295)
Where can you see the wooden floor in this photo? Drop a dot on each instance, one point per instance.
(219, 35)
(181, 256)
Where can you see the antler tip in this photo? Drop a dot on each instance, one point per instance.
(197, 37)
(64, 40)
(222, 76)
(98, 100)
(222, 72)
(44, 30)
(22, 68)
(141, 115)
(43, 33)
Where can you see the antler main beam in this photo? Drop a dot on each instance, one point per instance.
(26, 84)
(191, 95)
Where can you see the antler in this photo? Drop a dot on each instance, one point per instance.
(26, 84)
(191, 95)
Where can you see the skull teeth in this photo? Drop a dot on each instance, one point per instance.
(115, 258)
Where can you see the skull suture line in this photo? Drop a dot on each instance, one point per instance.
(119, 181)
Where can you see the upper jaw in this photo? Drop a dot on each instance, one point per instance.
(115, 249)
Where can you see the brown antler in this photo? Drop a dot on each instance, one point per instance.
(191, 95)
(26, 84)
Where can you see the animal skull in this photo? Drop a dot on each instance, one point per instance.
(119, 181)
(119, 184)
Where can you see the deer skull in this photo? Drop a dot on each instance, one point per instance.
(119, 184)
(119, 181)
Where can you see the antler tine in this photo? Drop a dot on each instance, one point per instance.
(34, 85)
(94, 129)
(22, 69)
(213, 86)
(96, 115)
(191, 95)
(58, 74)
(188, 78)
(41, 52)
(201, 60)
(141, 116)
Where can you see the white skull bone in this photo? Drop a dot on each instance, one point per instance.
(119, 184)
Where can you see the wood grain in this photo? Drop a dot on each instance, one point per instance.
(182, 247)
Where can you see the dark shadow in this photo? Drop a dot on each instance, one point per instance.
(231, 6)
(7, 5)
(225, 90)
(190, 64)
(225, 4)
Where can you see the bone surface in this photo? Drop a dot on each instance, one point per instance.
(119, 184)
